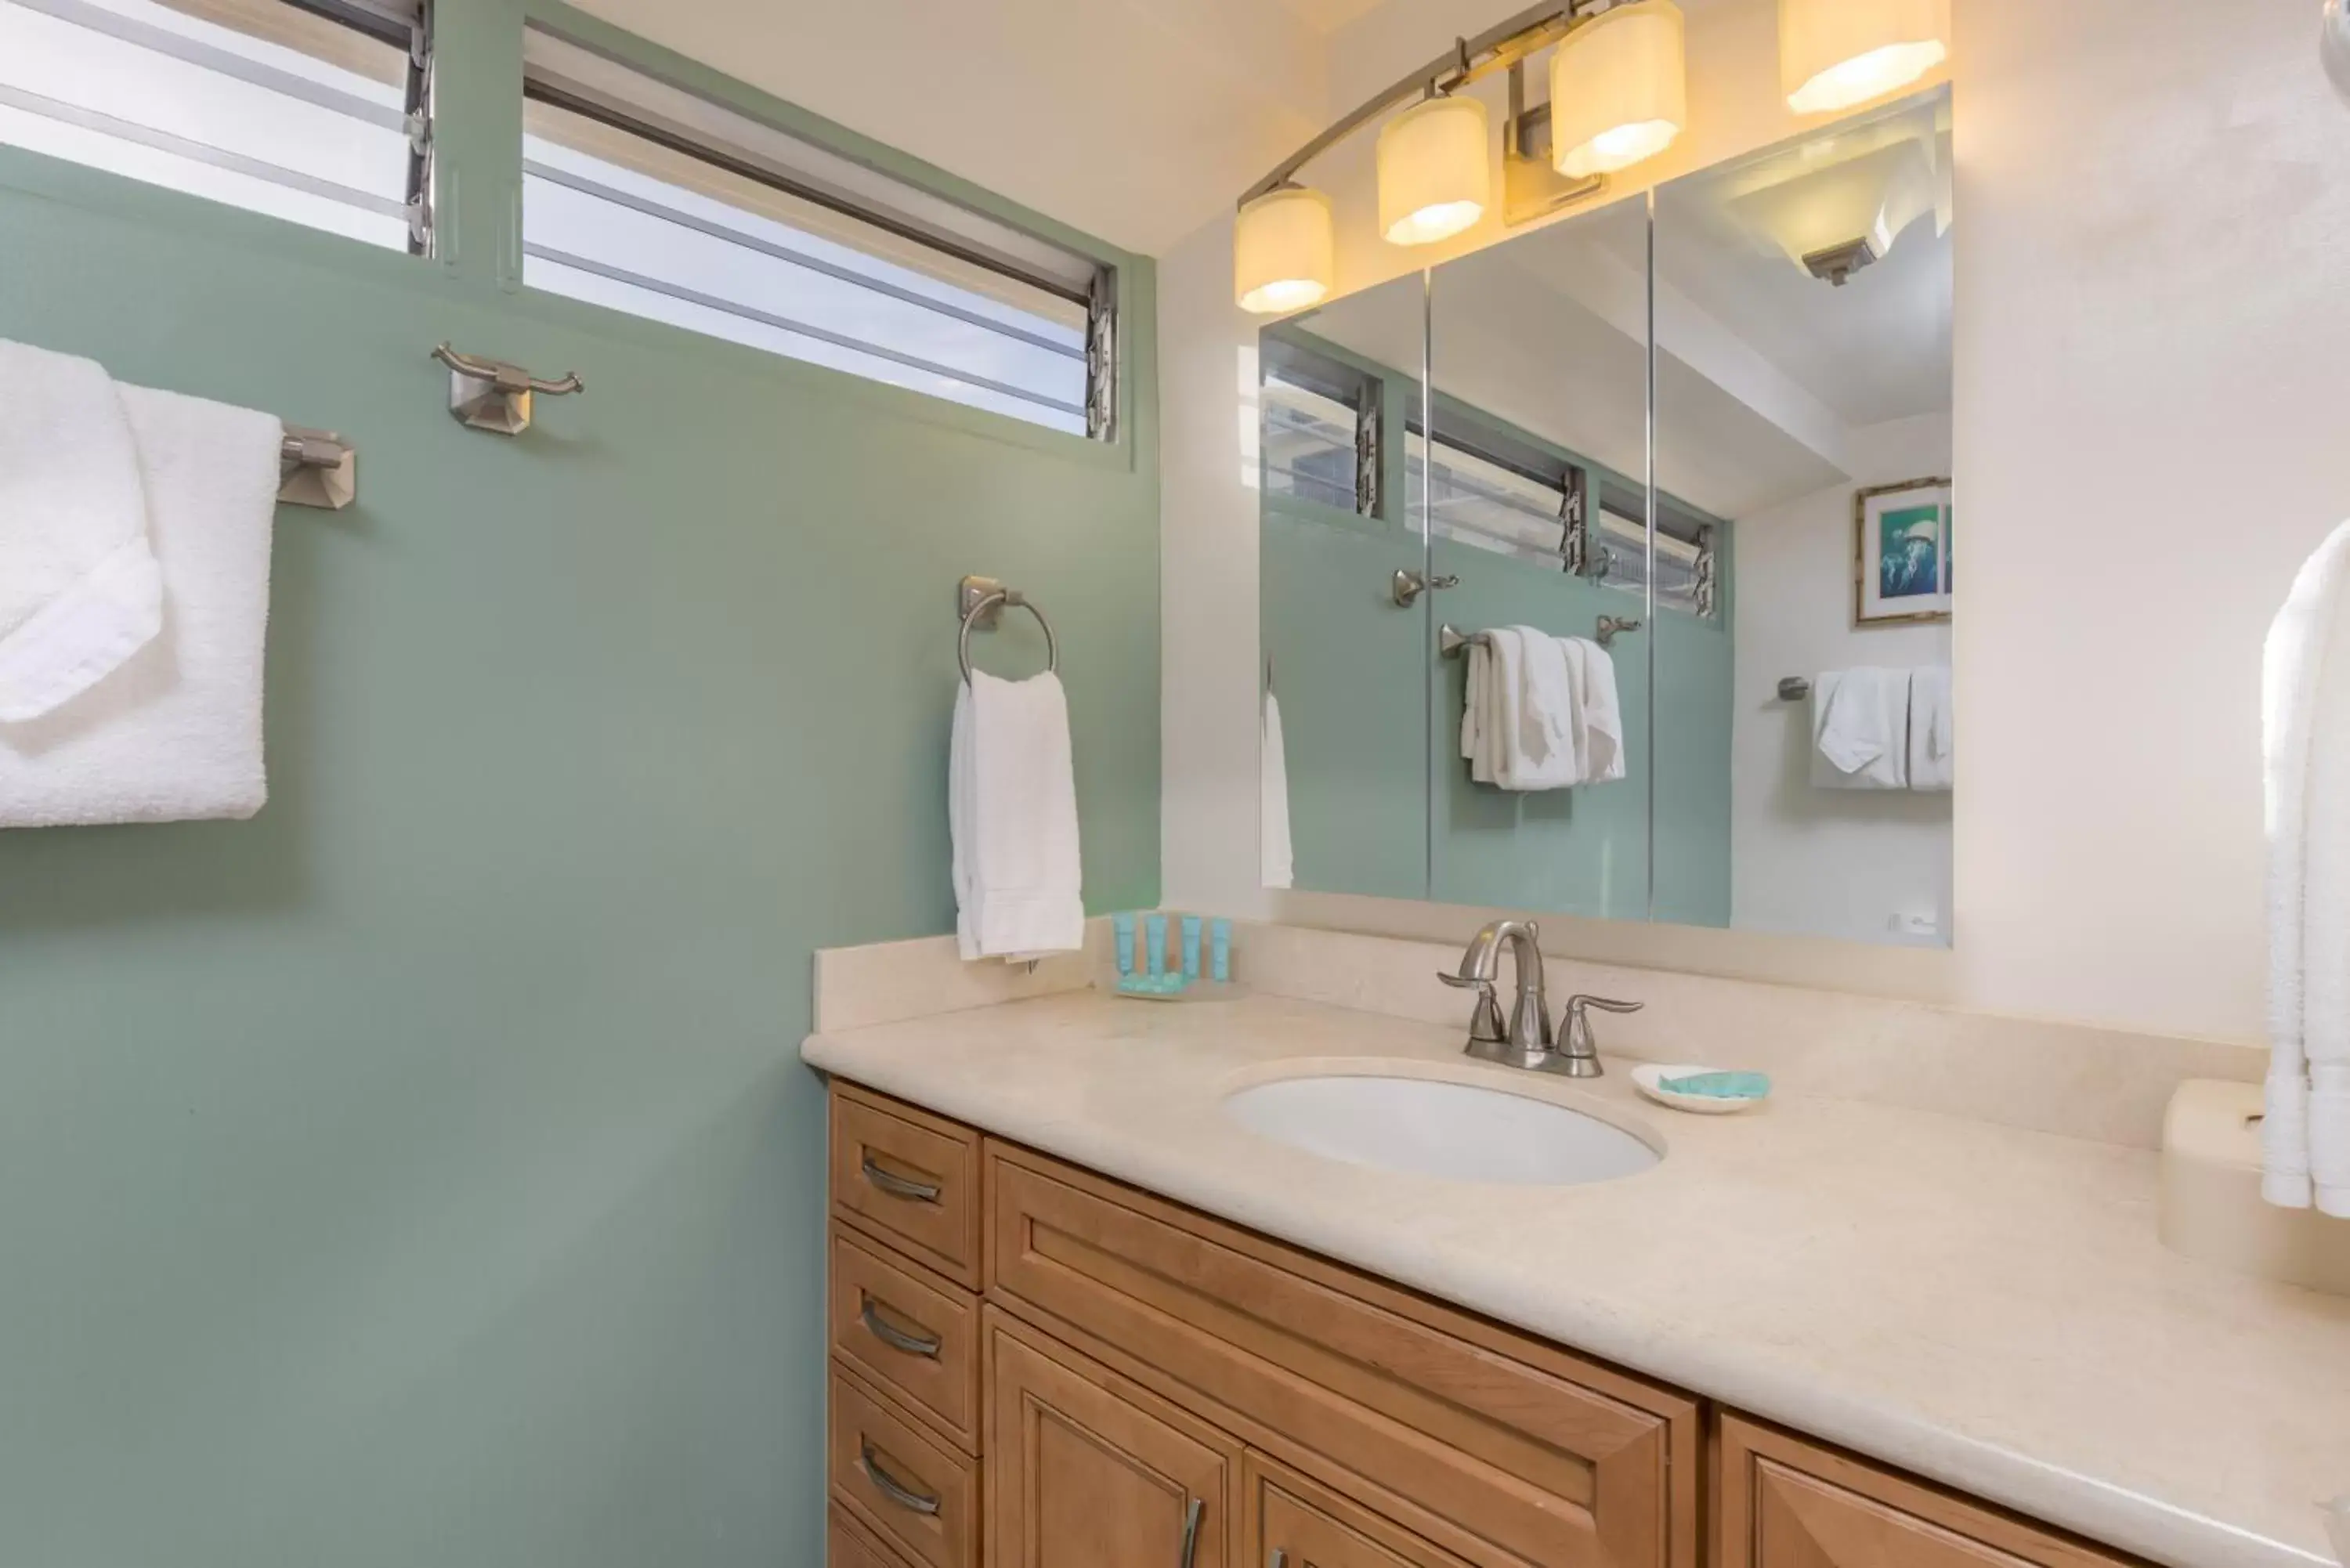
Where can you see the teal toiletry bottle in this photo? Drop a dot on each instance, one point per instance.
(1220, 950)
(1154, 943)
(1122, 926)
(1190, 947)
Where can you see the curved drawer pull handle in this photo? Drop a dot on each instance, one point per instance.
(924, 1345)
(1191, 1531)
(896, 1492)
(898, 1186)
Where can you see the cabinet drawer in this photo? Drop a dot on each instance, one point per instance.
(1506, 1449)
(910, 1490)
(1787, 1504)
(912, 1332)
(849, 1546)
(909, 1178)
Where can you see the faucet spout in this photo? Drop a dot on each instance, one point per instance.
(1525, 1041)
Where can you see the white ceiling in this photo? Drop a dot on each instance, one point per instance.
(1132, 120)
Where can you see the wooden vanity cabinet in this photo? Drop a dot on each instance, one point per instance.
(1784, 1502)
(1037, 1367)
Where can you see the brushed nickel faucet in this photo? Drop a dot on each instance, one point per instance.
(1526, 1041)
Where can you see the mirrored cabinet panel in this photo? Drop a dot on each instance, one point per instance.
(1608, 570)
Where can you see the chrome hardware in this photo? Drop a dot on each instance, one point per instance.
(1609, 627)
(925, 1345)
(317, 468)
(1191, 1533)
(1578, 1049)
(1526, 1041)
(492, 395)
(1406, 587)
(1794, 689)
(891, 1486)
(1280, 1558)
(981, 600)
(898, 1186)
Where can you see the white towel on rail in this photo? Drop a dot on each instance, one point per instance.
(1598, 718)
(1933, 762)
(1011, 810)
(81, 590)
(174, 733)
(2305, 732)
(1277, 861)
(1517, 711)
(1860, 721)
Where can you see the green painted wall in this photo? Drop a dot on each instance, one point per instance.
(422, 1172)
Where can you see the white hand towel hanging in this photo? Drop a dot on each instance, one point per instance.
(81, 590)
(1861, 722)
(2306, 726)
(1932, 734)
(1278, 858)
(174, 733)
(1012, 809)
(1598, 711)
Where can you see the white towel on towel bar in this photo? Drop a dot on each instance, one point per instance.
(1011, 810)
(1277, 860)
(2305, 744)
(1933, 762)
(1861, 722)
(1517, 721)
(1599, 716)
(175, 732)
(81, 590)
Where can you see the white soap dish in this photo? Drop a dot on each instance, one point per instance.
(1649, 1079)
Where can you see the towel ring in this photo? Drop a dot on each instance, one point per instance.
(989, 602)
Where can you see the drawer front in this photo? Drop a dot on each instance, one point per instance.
(848, 1545)
(909, 1178)
(912, 1491)
(1788, 1503)
(1507, 1448)
(913, 1332)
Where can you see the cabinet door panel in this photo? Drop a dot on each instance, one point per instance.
(1292, 1522)
(1787, 1504)
(1087, 1471)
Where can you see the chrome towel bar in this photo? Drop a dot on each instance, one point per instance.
(1452, 640)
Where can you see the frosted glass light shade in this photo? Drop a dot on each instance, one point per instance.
(1285, 256)
(1436, 175)
(1834, 53)
(2334, 49)
(1618, 89)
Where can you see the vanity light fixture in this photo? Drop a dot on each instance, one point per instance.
(1834, 53)
(2334, 44)
(1626, 99)
(1434, 178)
(1618, 89)
(1284, 256)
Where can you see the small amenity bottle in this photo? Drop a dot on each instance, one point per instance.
(1154, 944)
(1122, 928)
(1190, 947)
(1220, 950)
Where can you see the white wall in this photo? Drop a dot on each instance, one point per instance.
(2153, 384)
(1839, 863)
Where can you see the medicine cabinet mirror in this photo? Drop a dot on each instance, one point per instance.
(1709, 428)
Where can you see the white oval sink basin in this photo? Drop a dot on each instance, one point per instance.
(1429, 1127)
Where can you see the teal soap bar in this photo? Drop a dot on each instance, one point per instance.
(1719, 1085)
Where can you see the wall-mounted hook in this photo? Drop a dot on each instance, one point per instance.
(492, 395)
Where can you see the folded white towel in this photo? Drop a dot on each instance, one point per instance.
(1598, 711)
(1518, 718)
(2305, 724)
(1276, 858)
(1859, 729)
(81, 590)
(1012, 809)
(1932, 742)
(174, 733)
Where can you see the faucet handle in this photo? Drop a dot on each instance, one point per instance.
(1485, 1021)
(1575, 1004)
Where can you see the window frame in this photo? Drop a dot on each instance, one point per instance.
(547, 81)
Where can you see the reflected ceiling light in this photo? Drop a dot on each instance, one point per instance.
(1618, 89)
(1284, 256)
(1436, 175)
(1834, 53)
(1835, 219)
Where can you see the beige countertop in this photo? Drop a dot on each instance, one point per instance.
(1985, 1306)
